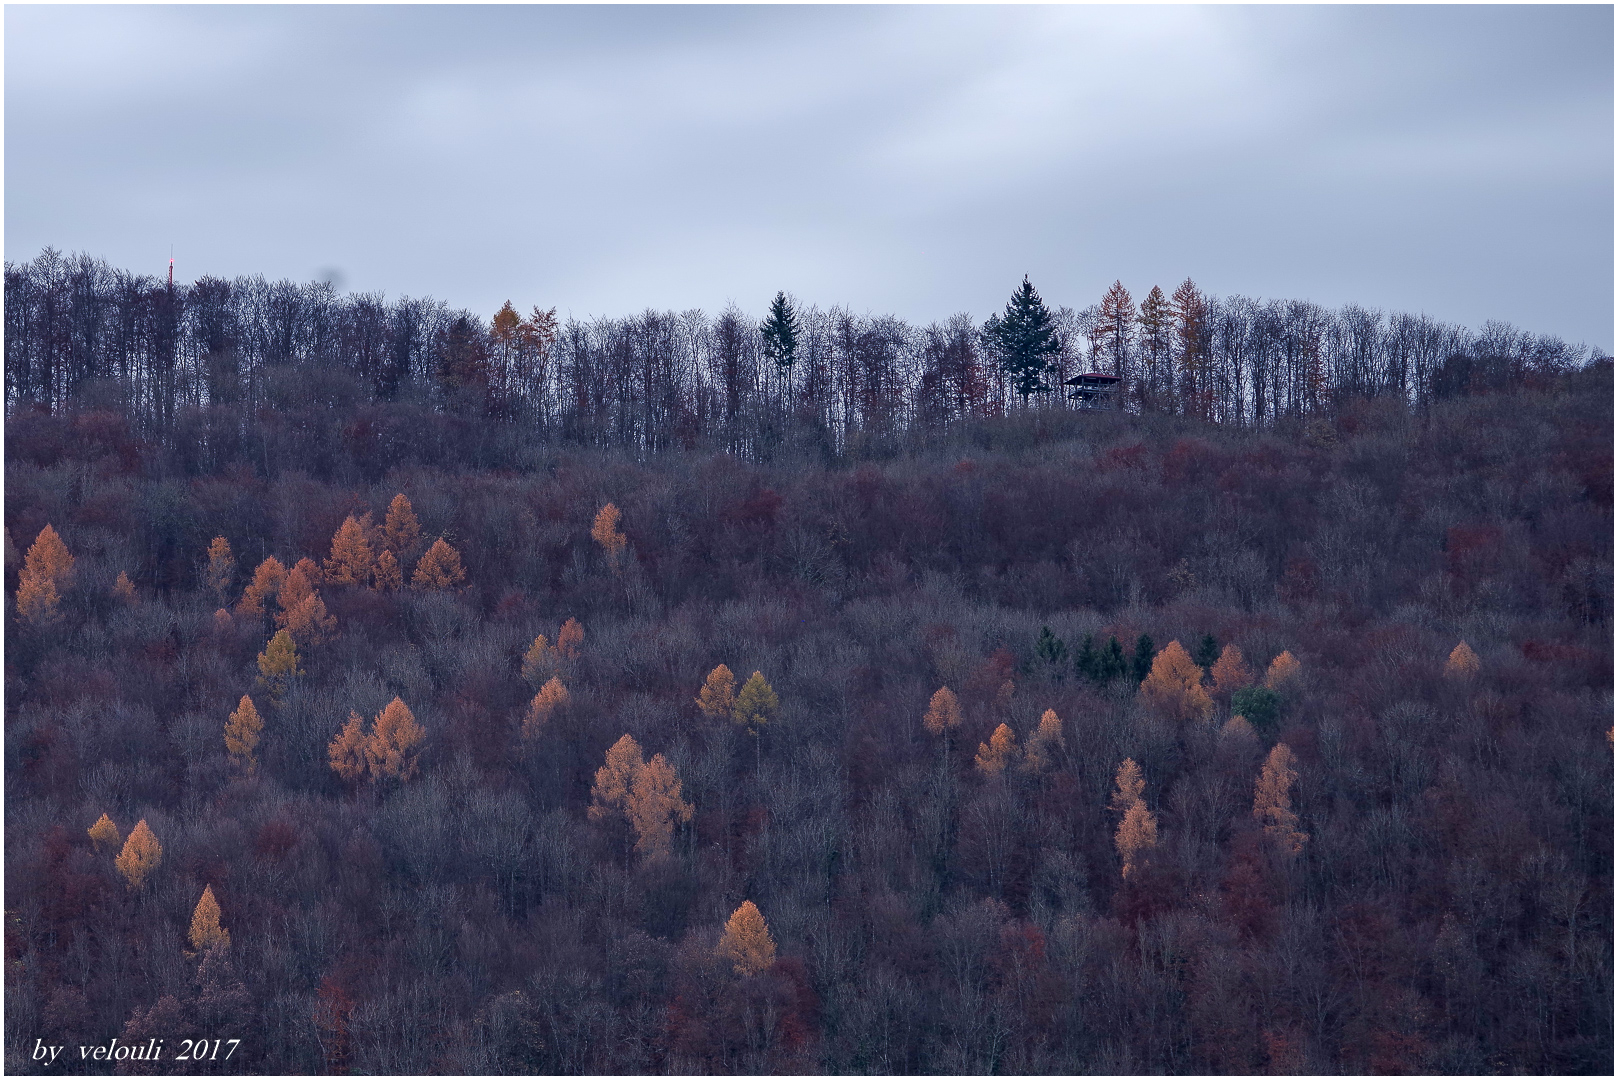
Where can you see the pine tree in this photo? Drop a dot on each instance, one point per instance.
(756, 705)
(124, 589)
(1141, 666)
(1272, 800)
(142, 855)
(746, 942)
(1174, 686)
(104, 834)
(346, 752)
(394, 747)
(221, 569)
(1230, 673)
(1207, 653)
(943, 712)
(655, 806)
(1463, 663)
(387, 577)
(1283, 669)
(47, 569)
(552, 697)
(1087, 665)
(993, 756)
(780, 331)
(241, 735)
(206, 933)
(439, 568)
(265, 586)
(351, 561)
(536, 663)
(1024, 338)
(569, 639)
(1113, 665)
(278, 665)
(1049, 647)
(605, 532)
(401, 532)
(718, 694)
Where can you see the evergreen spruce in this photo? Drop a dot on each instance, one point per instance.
(1207, 654)
(780, 332)
(1025, 340)
(1144, 652)
(1086, 663)
(1050, 648)
(1113, 665)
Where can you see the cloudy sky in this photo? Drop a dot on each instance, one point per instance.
(907, 160)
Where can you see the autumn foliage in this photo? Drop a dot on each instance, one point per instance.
(1272, 800)
(605, 533)
(718, 694)
(1463, 663)
(141, 855)
(351, 561)
(278, 664)
(943, 711)
(647, 794)
(241, 735)
(552, 697)
(45, 574)
(206, 933)
(220, 572)
(389, 750)
(1137, 830)
(439, 569)
(104, 834)
(1174, 686)
(1001, 749)
(746, 942)
(1284, 669)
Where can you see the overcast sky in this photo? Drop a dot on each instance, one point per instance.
(907, 160)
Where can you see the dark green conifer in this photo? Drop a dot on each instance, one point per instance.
(1144, 652)
(1207, 654)
(780, 332)
(1024, 338)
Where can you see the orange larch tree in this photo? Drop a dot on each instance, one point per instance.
(1037, 751)
(655, 806)
(552, 697)
(241, 735)
(1272, 800)
(278, 664)
(1174, 686)
(265, 586)
(394, 748)
(718, 694)
(124, 589)
(570, 639)
(439, 568)
(1463, 663)
(104, 834)
(387, 577)
(346, 751)
(46, 571)
(943, 712)
(351, 561)
(997, 753)
(1230, 673)
(401, 532)
(746, 942)
(220, 573)
(142, 854)
(206, 933)
(605, 532)
(1137, 834)
(1283, 669)
(537, 663)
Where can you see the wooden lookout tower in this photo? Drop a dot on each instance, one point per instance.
(1094, 389)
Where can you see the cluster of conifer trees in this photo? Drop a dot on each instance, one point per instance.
(1074, 741)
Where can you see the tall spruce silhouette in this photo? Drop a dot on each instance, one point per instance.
(1024, 337)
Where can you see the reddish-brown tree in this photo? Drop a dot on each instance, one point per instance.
(439, 568)
(1174, 686)
(718, 694)
(746, 942)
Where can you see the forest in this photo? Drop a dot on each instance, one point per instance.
(390, 690)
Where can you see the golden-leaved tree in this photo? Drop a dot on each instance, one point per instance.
(124, 589)
(551, 699)
(401, 532)
(439, 569)
(265, 586)
(1230, 673)
(220, 573)
(605, 532)
(46, 571)
(206, 933)
(104, 834)
(387, 577)
(1283, 670)
(943, 712)
(303, 613)
(394, 749)
(1272, 800)
(352, 561)
(1137, 829)
(278, 665)
(241, 735)
(718, 694)
(390, 750)
(538, 663)
(1174, 685)
(997, 753)
(1043, 742)
(1463, 663)
(142, 854)
(647, 794)
(746, 942)
(570, 639)
(756, 704)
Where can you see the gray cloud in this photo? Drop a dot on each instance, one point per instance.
(1451, 160)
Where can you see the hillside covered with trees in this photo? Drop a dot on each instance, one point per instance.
(398, 692)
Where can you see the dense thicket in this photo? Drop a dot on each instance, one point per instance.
(1398, 861)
